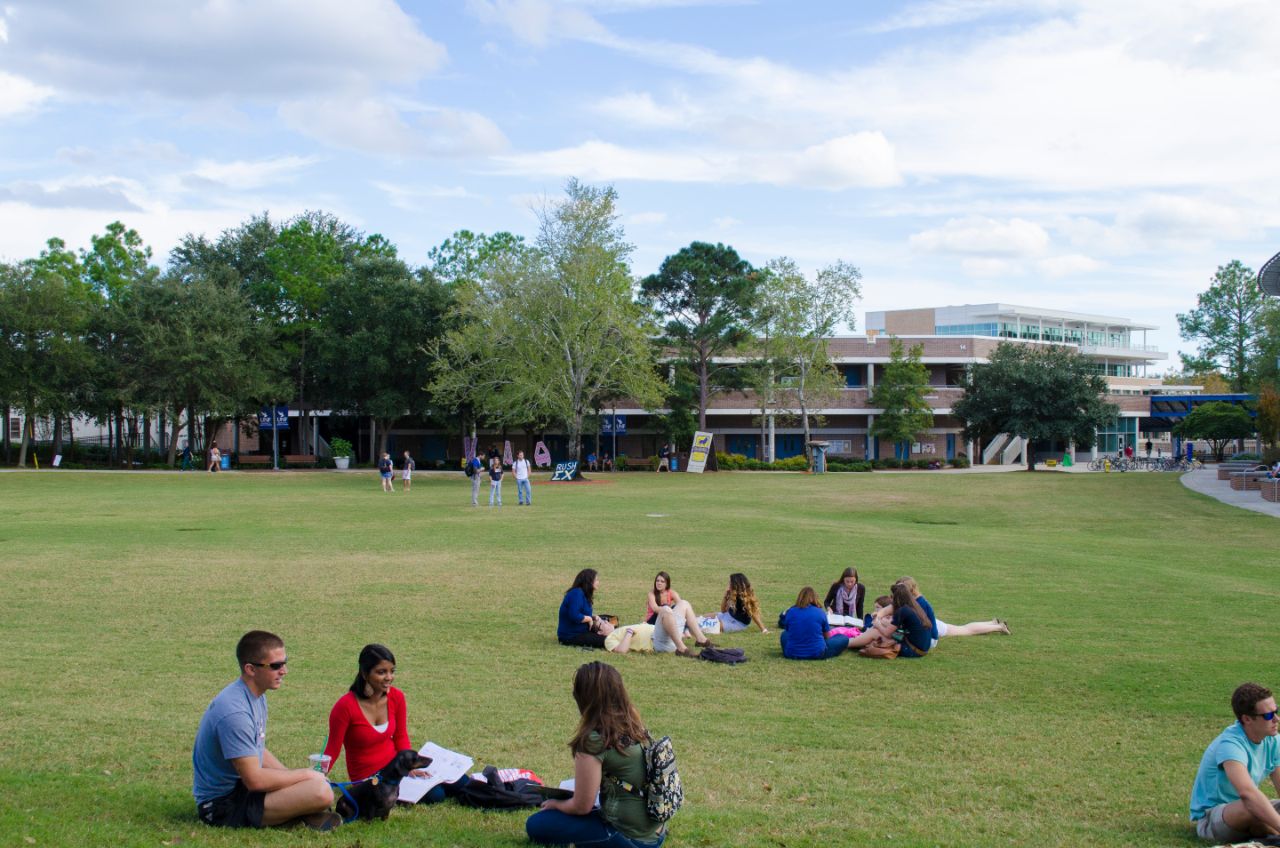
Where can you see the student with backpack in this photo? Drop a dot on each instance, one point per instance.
(613, 754)
(473, 468)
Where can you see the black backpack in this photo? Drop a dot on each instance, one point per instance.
(494, 794)
(732, 656)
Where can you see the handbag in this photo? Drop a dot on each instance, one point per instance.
(881, 652)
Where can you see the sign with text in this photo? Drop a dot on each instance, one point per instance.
(281, 421)
(698, 453)
(610, 424)
(565, 472)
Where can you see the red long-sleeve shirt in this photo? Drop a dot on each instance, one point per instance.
(367, 749)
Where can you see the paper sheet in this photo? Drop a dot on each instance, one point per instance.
(446, 767)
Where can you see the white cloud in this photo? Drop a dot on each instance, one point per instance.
(1068, 265)
(646, 219)
(538, 22)
(862, 159)
(374, 125)
(19, 96)
(639, 109)
(109, 195)
(988, 267)
(417, 198)
(981, 236)
(246, 48)
(243, 174)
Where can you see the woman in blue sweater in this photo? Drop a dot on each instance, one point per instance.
(805, 635)
(579, 625)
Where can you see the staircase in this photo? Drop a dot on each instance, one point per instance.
(1004, 449)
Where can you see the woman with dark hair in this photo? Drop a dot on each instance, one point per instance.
(739, 606)
(938, 628)
(806, 635)
(607, 758)
(661, 595)
(370, 722)
(579, 625)
(846, 595)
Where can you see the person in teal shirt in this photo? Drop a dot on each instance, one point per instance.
(1226, 803)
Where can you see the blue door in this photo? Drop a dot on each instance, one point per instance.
(789, 446)
(743, 445)
(951, 446)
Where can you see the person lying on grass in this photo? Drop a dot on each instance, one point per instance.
(939, 629)
(236, 781)
(1226, 803)
(908, 623)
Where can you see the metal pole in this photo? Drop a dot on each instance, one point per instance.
(275, 438)
(614, 427)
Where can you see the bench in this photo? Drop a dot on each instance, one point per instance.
(253, 459)
(1270, 490)
(1226, 469)
(1247, 481)
(629, 462)
(300, 459)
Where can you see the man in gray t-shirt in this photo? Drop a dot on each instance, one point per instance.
(237, 782)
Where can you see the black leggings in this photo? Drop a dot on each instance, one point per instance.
(584, 640)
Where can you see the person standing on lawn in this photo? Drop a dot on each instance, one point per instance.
(524, 490)
(236, 781)
(1226, 803)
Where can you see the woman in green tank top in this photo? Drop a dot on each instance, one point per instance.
(607, 758)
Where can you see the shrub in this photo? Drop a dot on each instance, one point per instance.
(341, 447)
(961, 461)
(890, 462)
(791, 463)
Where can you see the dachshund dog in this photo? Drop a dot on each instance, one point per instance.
(375, 797)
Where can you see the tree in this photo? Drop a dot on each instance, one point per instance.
(1229, 322)
(706, 294)
(900, 393)
(1268, 418)
(1219, 423)
(553, 329)
(1212, 382)
(372, 340)
(1037, 393)
(802, 315)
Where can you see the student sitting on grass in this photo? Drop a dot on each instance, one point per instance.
(739, 606)
(846, 594)
(237, 781)
(1226, 803)
(908, 623)
(607, 758)
(661, 595)
(805, 635)
(579, 625)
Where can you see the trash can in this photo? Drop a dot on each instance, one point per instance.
(675, 463)
(226, 462)
(819, 452)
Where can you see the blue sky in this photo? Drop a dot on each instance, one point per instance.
(1095, 155)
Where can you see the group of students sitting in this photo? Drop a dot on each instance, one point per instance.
(903, 622)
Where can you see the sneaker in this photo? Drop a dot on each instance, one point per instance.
(324, 821)
(1003, 624)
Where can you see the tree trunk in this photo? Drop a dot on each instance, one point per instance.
(192, 441)
(176, 424)
(703, 379)
(146, 437)
(57, 434)
(26, 429)
(129, 445)
(71, 436)
(1030, 455)
(5, 421)
(304, 436)
(119, 417)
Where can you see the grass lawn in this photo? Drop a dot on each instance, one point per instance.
(1136, 608)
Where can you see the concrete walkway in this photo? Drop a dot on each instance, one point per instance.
(1206, 482)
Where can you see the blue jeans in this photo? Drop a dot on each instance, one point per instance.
(495, 489)
(524, 492)
(552, 827)
(835, 646)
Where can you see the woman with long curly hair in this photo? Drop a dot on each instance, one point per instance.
(739, 606)
(607, 757)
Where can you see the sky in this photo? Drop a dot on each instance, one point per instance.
(1102, 156)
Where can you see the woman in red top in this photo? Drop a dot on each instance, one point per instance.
(369, 721)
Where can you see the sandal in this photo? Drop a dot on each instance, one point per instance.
(1004, 624)
(704, 644)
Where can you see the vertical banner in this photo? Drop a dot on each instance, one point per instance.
(698, 453)
(541, 456)
(507, 457)
(469, 447)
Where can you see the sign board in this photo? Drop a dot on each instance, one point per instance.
(541, 456)
(699, 452)
(613, 424)
(565, 472)
(281, 421)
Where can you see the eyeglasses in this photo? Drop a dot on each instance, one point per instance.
(1268, 716)
(275, 666)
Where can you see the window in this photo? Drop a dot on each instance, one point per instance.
(843, 447)
(15, 428)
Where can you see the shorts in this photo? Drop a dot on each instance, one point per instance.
(408, 475)
(1213, 828)
(238, 808)
(942, 628)
(729, 624)
(386, 475)
(662, 643)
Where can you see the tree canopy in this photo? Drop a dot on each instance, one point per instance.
(900, 393)
(1230, 322)
(1037, 392)
(1218, 423)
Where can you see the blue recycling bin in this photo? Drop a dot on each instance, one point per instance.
(675, 463)
(226, 462)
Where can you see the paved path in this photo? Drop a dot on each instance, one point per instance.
(1206, 482)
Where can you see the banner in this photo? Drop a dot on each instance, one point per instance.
(565, 472)
(610, 424)
(698, 453)
(541, 456)
(281, 421)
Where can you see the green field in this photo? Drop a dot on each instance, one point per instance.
(1136, 607)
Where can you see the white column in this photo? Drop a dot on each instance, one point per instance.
(770, 446)
(871, 375)
(968, 449)
(871, 440)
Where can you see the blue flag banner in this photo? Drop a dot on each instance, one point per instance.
(613, 424)
(281, 421)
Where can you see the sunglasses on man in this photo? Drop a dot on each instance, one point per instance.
(276, 666)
